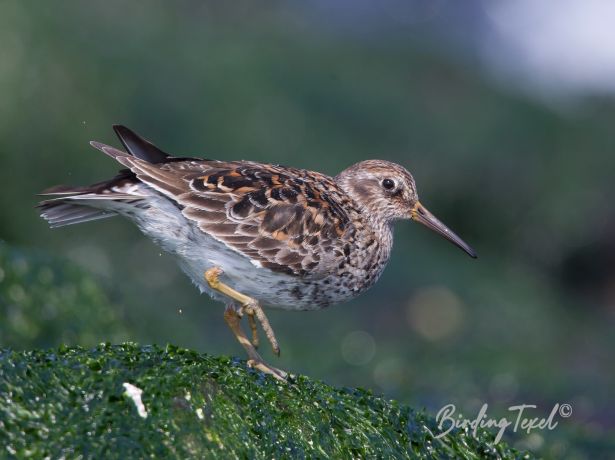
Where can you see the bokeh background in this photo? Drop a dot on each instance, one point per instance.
(503, 111)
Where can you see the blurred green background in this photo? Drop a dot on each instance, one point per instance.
(528, 184)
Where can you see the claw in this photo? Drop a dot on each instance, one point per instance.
(279, 374)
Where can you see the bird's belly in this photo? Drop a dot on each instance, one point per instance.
(270, 288)
(197, 252)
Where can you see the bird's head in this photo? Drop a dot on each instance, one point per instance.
(386, 192)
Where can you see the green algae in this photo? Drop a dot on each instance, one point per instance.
(71, 403)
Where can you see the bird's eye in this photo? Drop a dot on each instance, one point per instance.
(388, 184)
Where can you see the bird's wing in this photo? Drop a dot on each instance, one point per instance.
(284, 219)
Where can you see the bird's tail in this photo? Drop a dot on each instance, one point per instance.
(61, 213)
(73, 205)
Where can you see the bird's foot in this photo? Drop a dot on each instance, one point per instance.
(265, 368)
(249, 306)
(255, 312)
(232, 316)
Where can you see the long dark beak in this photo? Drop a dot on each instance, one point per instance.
(422, 215)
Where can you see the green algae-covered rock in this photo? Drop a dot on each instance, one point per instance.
(45, 301)
(126, 401)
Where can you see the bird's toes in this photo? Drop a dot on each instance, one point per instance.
(278, 374)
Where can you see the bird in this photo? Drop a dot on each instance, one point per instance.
(254, 235)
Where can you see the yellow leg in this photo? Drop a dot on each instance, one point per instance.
(252, 323)
(233, 319)
(249, 306)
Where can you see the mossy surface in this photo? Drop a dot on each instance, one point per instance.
(72, 403)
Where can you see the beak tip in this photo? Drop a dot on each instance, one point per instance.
(470, 251)
(423, 216)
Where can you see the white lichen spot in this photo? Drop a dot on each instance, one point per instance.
(135, 393)
(199, 413)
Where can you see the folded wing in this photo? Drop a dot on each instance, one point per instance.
(271, 214)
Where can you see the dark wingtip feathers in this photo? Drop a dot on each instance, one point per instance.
(138, 146)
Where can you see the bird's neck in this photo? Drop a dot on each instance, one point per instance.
(377, 242)
(373, 220)
(384, 231)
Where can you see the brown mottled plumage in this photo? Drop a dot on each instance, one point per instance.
(281, 218)
(250, 233)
